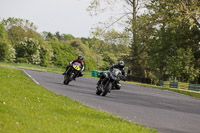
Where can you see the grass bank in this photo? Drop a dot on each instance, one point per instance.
(28, 107)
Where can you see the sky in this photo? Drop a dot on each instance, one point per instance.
(64, 16)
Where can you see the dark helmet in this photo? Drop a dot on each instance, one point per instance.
(80, 58)
(121, 64)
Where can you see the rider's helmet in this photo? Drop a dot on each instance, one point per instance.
(80, 58)
(121, 64)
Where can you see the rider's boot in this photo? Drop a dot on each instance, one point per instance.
(80, 74)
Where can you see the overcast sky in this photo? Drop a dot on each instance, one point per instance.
(65, 16)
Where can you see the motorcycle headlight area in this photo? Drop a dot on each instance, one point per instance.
(113, 77)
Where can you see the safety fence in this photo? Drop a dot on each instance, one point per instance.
(166, 84)
(96, 73)
(140, 79)
(180, 85)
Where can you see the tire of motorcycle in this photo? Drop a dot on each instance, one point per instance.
(107, 89)
(65, 80)
(98, 92)
(99, 89)
(70, 78)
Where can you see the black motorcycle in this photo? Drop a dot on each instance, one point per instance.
(110, 82)
(72, 73)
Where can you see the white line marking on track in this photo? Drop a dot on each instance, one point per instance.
(30, 77)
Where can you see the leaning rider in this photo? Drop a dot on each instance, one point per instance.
(80, 60)
(119, 66)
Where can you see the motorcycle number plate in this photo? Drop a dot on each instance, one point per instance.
(76, 67)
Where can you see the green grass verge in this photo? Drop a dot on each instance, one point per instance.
(26, 107)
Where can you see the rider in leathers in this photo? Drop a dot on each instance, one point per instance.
(119, 66)
(80, 60)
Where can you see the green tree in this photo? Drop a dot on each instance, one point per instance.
(127, 17)
(172, 54)
(18, 29)
(67, 37)
(174, 32)
(83, 49)
(48, 36)
(181, 66)
(28, 51)
(7, 52)
(114, 45)
(57, 34)
(46, 54)
(62, 53)
(4, 46)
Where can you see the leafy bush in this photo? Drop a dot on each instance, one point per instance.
(63, 54)
(3, 44)
(29, 49)
(90, 64)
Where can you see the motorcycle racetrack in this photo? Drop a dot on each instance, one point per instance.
(166, 111)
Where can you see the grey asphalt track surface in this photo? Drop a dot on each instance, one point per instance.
(166, 111)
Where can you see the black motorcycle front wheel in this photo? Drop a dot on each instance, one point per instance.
(107, 89)
(98, 92)
(66, 81)
(99, 89)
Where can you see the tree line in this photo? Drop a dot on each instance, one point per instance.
(164, 36)
(21, 43)
(162, 43)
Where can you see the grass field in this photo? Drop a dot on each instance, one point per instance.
(26, 107)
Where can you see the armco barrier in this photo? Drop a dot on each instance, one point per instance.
(180, 85)
(161, 83)
(173, 85)
(166, 84)
(97, 73)
(94, 73)
(139, 79)
(194, 87)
